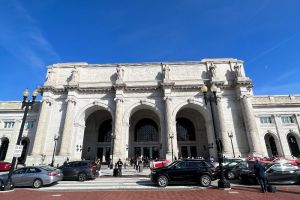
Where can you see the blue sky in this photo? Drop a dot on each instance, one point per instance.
(263, 33)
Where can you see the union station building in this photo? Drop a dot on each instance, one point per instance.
(154, 110)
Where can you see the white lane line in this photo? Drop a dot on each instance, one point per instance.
(56, 195)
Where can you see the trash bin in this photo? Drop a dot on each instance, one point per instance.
(115, 172)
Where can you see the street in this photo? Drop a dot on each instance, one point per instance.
(142, 188)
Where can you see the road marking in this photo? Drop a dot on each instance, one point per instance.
(56, 195)
(233, 192)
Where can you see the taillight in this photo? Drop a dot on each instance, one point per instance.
(52, 174)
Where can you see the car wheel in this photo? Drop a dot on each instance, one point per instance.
(37, 183)
(162, 181)
(230, 175)
(82, 177)
(205, 180)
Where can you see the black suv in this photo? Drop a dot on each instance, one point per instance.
(183, 170)
(80, 170)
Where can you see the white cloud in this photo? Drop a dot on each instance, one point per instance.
(21, 36)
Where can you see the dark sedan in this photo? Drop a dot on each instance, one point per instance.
(33, 176)
(276, 174)
(233, 170)
(79, 170)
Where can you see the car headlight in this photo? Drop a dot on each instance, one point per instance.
(153, 172)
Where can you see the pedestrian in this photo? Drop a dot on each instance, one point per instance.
(260, 174)
(119, 165)
(98, 163)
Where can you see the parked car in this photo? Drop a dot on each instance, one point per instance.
(183, 170)
(5, 166)
(277, 173)
(79, 170)
(232, 170)
(226, 161)
(33, 176)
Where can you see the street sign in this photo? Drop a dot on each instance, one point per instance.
(18, 151)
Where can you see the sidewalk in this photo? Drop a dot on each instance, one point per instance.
(128, 172)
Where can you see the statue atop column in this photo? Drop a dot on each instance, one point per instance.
(212, 69)
(166, 72)
(238, 70)
(120, 73)
(74, 76)
(49, 76)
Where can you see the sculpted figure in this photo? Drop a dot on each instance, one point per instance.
(49, 77)
(166, 72)
(238, 70)
(212, 69)
(120, 72)
(74, 77)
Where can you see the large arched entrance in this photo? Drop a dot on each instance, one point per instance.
(144, 135)
(271, 145)
(97, 141)
(3, 148)
(191, 134)
(293, 144)
(25, 144)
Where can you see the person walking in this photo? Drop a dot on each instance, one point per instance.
(260, 174)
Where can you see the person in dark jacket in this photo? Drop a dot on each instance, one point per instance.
(259, 171)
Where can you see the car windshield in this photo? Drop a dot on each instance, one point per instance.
(47, 168)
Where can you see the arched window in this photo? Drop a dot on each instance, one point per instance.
(185, 130)
(105, 130)
(146, 130)
(293, 146)
(3, 149)
(273, 146)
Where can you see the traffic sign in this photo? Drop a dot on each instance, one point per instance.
(18, 151)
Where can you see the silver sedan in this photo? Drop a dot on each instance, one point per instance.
(34, 176)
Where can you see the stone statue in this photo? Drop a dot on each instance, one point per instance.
(74, 76)
(120, 73)
(212, 69)
(238, 70)
(166, 72)
(50, 74)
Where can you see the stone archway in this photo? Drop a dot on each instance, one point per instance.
(145, 137)
(191, 134)
(97, 140)
(293, 142)
(4, 148)
(25, 143)
(271, 145)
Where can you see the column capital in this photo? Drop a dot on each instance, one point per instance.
(120, 99)
(71, 100)
(48, 101)
(167, 98)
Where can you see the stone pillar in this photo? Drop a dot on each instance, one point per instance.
(282, 140)
(117, 150)
(168, 133)
(251, 128)
(41, 131)
(68, 128)
(223, 132)
(297, 117)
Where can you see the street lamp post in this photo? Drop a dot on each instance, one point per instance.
(113, 137)
(230, 135)
(56, 137)
(212, 97)
(171, 137)
(8, 185)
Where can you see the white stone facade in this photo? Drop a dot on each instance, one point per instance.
(151, 109)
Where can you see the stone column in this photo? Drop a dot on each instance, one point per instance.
(282, 140)
(117, 150)
(68, 128)
(41, 131)
(168, 120)
(297, 117)
(223, 132)
(251, 128)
